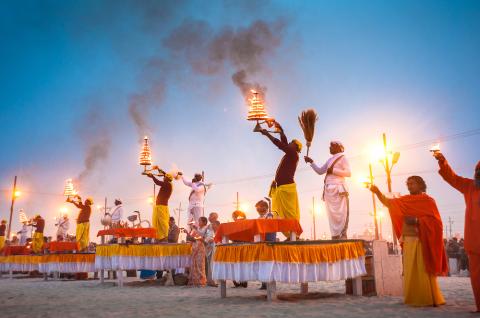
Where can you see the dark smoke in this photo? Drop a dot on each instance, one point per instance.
(246, 50)
(94, 132)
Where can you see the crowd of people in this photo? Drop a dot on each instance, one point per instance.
(415, 217)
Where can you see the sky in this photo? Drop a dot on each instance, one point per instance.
(82, 82)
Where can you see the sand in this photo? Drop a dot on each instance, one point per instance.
(34, 297)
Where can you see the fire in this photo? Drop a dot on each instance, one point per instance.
(257, 108)
(69, 189)
(145, 153)
(435, 148)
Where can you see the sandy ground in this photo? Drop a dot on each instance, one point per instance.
(37, 298)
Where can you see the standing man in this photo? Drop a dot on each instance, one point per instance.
(470, 188)
(283, 190)
(117, 214)
(196, 198)
(3, 228)
(161, 215)
(37, 240)
(83, 221)
(173, 231)
(63, 227)
(335, 191)
(23, 233)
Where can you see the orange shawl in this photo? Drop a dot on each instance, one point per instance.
(430, 228)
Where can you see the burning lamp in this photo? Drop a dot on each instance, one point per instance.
(435, 149)
(145, 155)
(258, 113)
(69, 190)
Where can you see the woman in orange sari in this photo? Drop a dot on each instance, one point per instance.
(417, 223)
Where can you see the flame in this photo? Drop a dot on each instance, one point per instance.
(435, 148)
(256, 107)
(145, 153)
(69, 189)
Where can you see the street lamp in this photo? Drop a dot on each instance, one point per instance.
(15, 194)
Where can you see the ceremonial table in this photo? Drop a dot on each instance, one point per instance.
(120, 257)
(253, 230)
(290, 262)
(60, 246)
(17, 250)
(67, 263)
(129, 232)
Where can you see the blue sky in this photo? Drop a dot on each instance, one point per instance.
(68, 69)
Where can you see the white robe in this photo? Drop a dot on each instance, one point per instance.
(63, 227)
(117, 214)
(196, 199)
(23, 234)
(335, 193)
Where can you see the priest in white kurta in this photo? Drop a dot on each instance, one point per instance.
(63, 227)
(117, 213)
(196, 198)
(23, 233)
(335, 191)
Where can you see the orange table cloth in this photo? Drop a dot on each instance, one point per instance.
(55, 247)
(16, 250)
(130, 232)
(245, 230)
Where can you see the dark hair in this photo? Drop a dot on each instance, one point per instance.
(261, 203)
(172, 218)
(204, 219)
(419, 180)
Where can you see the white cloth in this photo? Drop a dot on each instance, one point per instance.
(117, 214)
(199, 189)
(341, 170)
(336, 203)
(63, 227)
(335, 192)
(267, 271)
(196, 199)
(23, 234)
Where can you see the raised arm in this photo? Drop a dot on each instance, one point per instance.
(157, 182)
(282, 145)
(447, 173)
(186, 182)
(380, 195)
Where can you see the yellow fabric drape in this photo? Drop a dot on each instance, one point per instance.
(160, 218)
(83, 235)
(21, 259)
(68, 258)
(285, 201)
(2, 242)
(420, 288)
(308, 254)
(37, 242)
(144, 250)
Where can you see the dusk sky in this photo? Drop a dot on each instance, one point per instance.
(73, 73)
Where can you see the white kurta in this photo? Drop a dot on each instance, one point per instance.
(335, 194)
(23, 234)
(63, 227)
(196, 199)
(117, 214)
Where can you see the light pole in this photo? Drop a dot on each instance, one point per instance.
(374, 203)
(313, 217)
(15, 195)
(388, 165)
